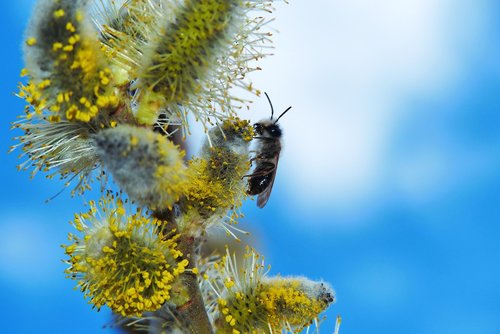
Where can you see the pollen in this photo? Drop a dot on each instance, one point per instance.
(59, 13)
(288, 304)
(235, 126)
(57, 46)
(216, 183)
(69, 55)
(31, 41)
(256, 303)
(122, 261)
(70, 27)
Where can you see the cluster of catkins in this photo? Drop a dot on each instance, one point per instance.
(108, 85)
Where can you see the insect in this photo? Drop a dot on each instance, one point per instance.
(268, 149)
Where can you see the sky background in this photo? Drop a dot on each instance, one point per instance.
(388, 185)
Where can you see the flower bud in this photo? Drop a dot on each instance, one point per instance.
(146, 165)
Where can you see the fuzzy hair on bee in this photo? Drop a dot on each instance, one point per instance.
(267, 153)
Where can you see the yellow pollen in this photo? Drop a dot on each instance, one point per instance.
(31, 41)
(59, 13)
(57, 46)
(70, 27)
(79, 16)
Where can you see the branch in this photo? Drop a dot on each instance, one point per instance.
(193, 312)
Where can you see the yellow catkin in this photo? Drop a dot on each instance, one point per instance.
(123, 262)
(216, 181)
(251, 302)
(183, 54)
(70, 53)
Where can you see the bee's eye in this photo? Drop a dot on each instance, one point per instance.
(274, 131)
(258, 128)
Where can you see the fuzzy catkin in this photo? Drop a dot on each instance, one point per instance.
(146, 165)
(62, 48)
(122, 260)
(182, 54)
(216, 183)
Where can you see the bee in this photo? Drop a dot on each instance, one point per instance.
(268, 149)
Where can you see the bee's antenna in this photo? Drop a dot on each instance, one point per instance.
(272, 109)
(284, 112)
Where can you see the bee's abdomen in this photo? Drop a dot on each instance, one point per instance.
(258, 184)
(261, 177)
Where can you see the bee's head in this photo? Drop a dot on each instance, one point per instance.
(266, 128)
(269, 128)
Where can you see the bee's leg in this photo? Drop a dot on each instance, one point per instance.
(261, 157)
(267, 166)
(256, 159)
(263, 169)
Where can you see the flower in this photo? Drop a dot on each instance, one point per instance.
(122, 260)
(185, 57)
(251, 302)
(95, 65)
(72, 92)
(102, 77)
(57, 148)
(69, 73)
(215, 179)
(146, 165)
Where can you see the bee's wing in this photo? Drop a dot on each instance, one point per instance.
(264, 196)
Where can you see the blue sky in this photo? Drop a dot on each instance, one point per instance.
(388, 185)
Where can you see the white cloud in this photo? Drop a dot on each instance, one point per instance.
(348, 67)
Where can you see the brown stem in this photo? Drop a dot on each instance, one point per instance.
(194, 310)
(192, 313)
